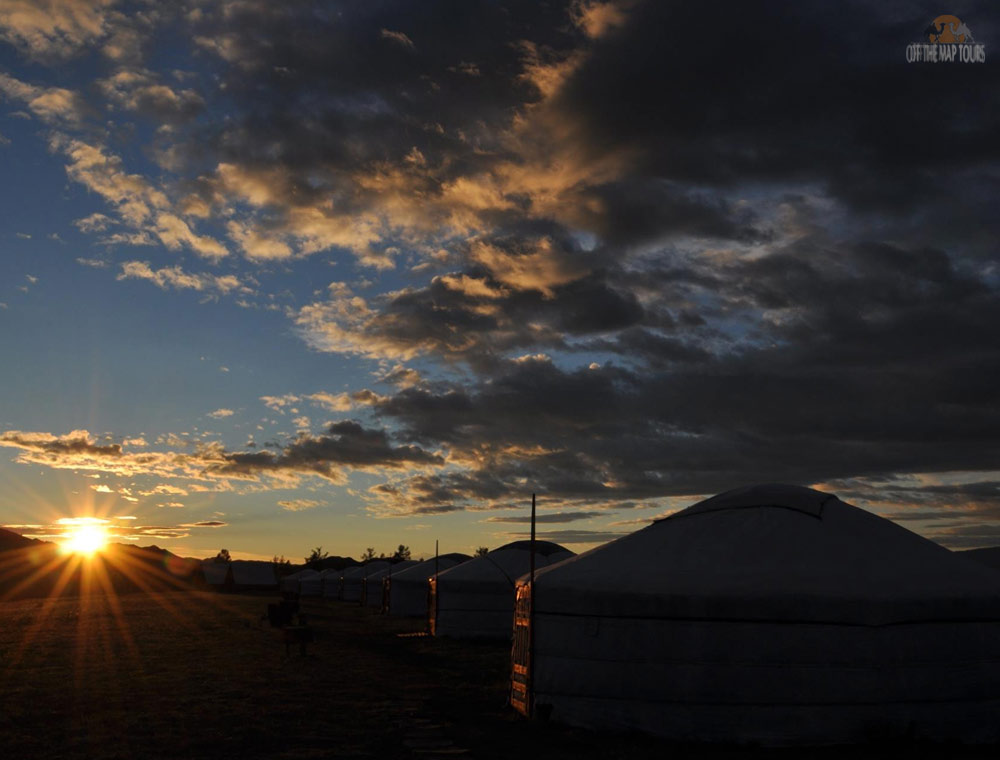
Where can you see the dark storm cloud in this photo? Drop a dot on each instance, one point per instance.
(450, 320)
(574, 536)
(638, 210)
(347, 444)
(556, 517)
(783, 233)
(373, 108)
(788, 92)
(948, 502)
(77, 443)
(873, 359)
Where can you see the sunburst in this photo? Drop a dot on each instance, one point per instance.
(87, 536)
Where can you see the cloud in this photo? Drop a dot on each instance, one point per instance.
(598, 18)
(398, 37)
(454, 319)
(610, 282)
(139, 204)
(278, 403)
(92, 263)
(96, 222)
(175, 233)
(53, 105)
(556, 517)
(574, 536)
(53, 28)
(132, 196)
(221, 413)
(140, 90)
(177, 278)
(344, 402)
(346, 446)
(298, 505)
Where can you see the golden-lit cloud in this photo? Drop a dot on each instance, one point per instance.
(597, 18)
(344, 402)
(344, 447)
(53, 105)
(177, 278)
(53, 28)
(175, 233)
(299, 505)
(399, 38)
(278, 403)
(132, 196)
(257, 244)
(541, 265)
(140, 90)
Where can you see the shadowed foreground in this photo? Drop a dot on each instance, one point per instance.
(198, 675)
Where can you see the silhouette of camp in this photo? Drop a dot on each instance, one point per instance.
(239, 575)
(333, 587)
(406, 592)
(771, 614)
(352, 582)
(371, 595)
(303, 582)
(475, 600)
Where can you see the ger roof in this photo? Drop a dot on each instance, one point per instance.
(423, 570)
(505, 564)
(772, 552)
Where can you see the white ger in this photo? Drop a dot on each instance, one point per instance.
(772, 614)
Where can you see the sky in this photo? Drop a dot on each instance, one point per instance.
(284, 275)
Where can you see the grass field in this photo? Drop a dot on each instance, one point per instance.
(188, 674)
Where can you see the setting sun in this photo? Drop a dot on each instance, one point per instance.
(87, 536)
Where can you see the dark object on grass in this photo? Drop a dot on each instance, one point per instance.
(281, 614)
(297, 634)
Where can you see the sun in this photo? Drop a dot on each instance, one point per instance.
(86, 539)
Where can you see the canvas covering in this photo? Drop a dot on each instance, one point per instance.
(774, 615)
(476, 598)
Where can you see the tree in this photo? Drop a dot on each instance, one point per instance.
(223, 556)
(368, 554)
(317, 555)
(482, 551)
(281, 565)
(402, 553)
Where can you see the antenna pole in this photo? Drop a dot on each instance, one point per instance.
(531, 620)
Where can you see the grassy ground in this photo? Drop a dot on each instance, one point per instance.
(187, 674)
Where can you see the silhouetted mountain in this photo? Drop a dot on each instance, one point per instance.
(989, 556)
(11, 540)
(30, 568)
(331, 563)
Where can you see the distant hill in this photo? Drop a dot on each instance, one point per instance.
(11, 540)
(330, 563)
(989, 556)
(124, 568)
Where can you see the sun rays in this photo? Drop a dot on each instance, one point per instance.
(91, 572)
(86, 537)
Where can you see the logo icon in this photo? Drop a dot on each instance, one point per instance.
(947, 30)
(947, 39)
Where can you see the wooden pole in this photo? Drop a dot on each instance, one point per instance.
(531, 619)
